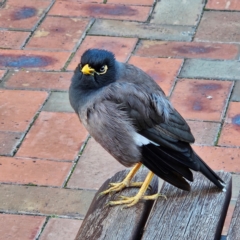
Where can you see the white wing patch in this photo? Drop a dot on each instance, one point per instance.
(141, 140)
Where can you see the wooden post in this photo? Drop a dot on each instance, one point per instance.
(195, 215)
(105, 222)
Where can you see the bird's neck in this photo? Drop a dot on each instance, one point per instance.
(76, 93)
(79, 96)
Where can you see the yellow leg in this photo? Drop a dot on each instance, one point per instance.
(116, 187)
(130, 201)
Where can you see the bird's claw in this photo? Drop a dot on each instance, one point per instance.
(131, 201)
(117, 187)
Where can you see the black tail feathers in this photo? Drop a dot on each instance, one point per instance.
(174, 167)
(210, 174)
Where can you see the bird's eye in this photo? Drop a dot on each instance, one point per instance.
(102, 69)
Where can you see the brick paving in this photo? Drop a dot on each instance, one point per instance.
(50, 169)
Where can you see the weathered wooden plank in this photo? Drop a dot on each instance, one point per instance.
(234, 229)
(105, 222)
(198, 214)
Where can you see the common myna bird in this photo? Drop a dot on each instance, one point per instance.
(125, 111)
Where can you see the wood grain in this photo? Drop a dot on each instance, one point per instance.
(234, 229)
(105, 222)
(198, 214)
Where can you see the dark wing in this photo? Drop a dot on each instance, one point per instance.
(154, 118)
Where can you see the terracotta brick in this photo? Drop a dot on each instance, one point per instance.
(54, 136)
(223, 4)
(213, 27)
(18, 108)
(39, 80)
(39, 172)
(132, 2)
(110, 11)
(228, 218)
(20, 227)
(61, 229)
(163, 71)
(82, 1)
(231, 128)
(220, 158)
(94, 167)
(36, 60)
(9, 142)
(57, 33)
(2, 73)
(121, 47)
(13, 39)
(205, 133)
(22, 14)
(187, 50)
(201, 99)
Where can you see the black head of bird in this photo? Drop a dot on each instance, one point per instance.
(97, 68)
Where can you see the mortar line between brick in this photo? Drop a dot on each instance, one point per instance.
(220, 10)
(4, 75)
(64, 185)
(38, 23)
(199, 120)
(88, 27)
(238, 53)
(133, 50)
(140, 38)
(136, 47)
(32, 89)
(136, 4)
(30, 125)
(42, 228)
(199, 20)
(224, 114)
(176, 80)
(78, 44)
(151, 11)
(2, 3)
(82, 189)
(208, 78)
(45, 159)
(30, 185)
(80, 217)
(215, 41)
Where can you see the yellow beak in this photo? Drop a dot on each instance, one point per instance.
(88, 70)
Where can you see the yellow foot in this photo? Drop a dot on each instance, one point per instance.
(130, 201)
(116, 187)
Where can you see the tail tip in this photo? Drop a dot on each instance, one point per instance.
(223, 184)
